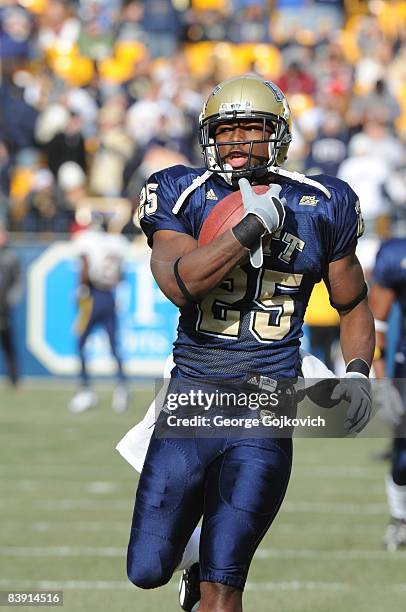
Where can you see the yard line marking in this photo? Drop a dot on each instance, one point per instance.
(41, 526)
(75, 504)
(262, 553)
(330, 555)
(62, 551)
(334, 508)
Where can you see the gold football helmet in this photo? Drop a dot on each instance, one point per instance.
(239, 98)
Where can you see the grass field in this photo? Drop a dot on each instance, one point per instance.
(66, 503)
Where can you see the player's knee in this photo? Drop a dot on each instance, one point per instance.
(149, 564)
(147, 575)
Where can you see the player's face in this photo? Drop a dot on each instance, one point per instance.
(237, 139)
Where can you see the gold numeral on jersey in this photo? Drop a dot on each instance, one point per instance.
(220, 316)
(148, 200)
(217, 315)
(273, 323)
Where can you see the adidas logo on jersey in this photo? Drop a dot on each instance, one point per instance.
(210, 195)
(308, 200)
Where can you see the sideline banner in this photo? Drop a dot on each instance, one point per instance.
(44, 319)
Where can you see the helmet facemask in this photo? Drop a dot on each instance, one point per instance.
(278, 138)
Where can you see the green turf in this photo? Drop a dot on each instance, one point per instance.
(66, 503)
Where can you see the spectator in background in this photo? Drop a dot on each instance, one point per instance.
(67, 145)
(162, 25)
(296, 79)
(46, 208)
(58, 26)
(18, 118)
(72, 181)
(10, 289)
(250, 22)
(4, 182)
(114, 149)
(366, 172)
(16, 27)
(377, 105)
(329, 149)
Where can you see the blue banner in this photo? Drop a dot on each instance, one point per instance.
(44, 319)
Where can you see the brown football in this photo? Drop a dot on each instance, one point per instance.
(225, 215)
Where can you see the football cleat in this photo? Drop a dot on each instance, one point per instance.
(121, 398)
(395, 536)
(189, 588)
(83, 400)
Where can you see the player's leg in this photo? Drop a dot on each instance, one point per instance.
(395, 536)
(121, 396)
(243, 493)
(168, 506)
(85, 323)
(9, 353)
(85, 397)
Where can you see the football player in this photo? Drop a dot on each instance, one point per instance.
(134, 445)
(242, 299)
(101, 256)
(389, 286)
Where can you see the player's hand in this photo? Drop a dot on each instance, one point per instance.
(356, 389)
(268, 207)
(388, 402)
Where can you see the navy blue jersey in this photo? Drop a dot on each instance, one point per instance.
(253, 321)
(390, 272)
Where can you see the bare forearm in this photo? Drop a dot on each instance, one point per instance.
(204, 268)
(199, 268)
(357, 333)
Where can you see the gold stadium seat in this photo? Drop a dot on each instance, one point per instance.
(129, 51)
(76, 70)
(115, 70)
(264, 57)
(199, 57)
(392, 17)
(209, 5)
(38, 7)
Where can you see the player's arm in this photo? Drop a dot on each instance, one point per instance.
(381, 300)
(346, 285)
(347, 290)
(186, 272)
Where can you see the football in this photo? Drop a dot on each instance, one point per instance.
(225, 215)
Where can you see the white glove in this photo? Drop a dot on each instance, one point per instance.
(388, 402)
(356, 389)
(268, 208)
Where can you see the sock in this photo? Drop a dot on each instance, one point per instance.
(396, 495)
(191, 552)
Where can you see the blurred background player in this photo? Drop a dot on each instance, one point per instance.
(10, 289)
(101, 256)
(389, 287)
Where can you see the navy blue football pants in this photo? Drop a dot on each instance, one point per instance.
(398, 468)
(236, 484)
(97, 310)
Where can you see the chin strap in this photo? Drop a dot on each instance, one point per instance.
(299, 178)
(197, 182)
